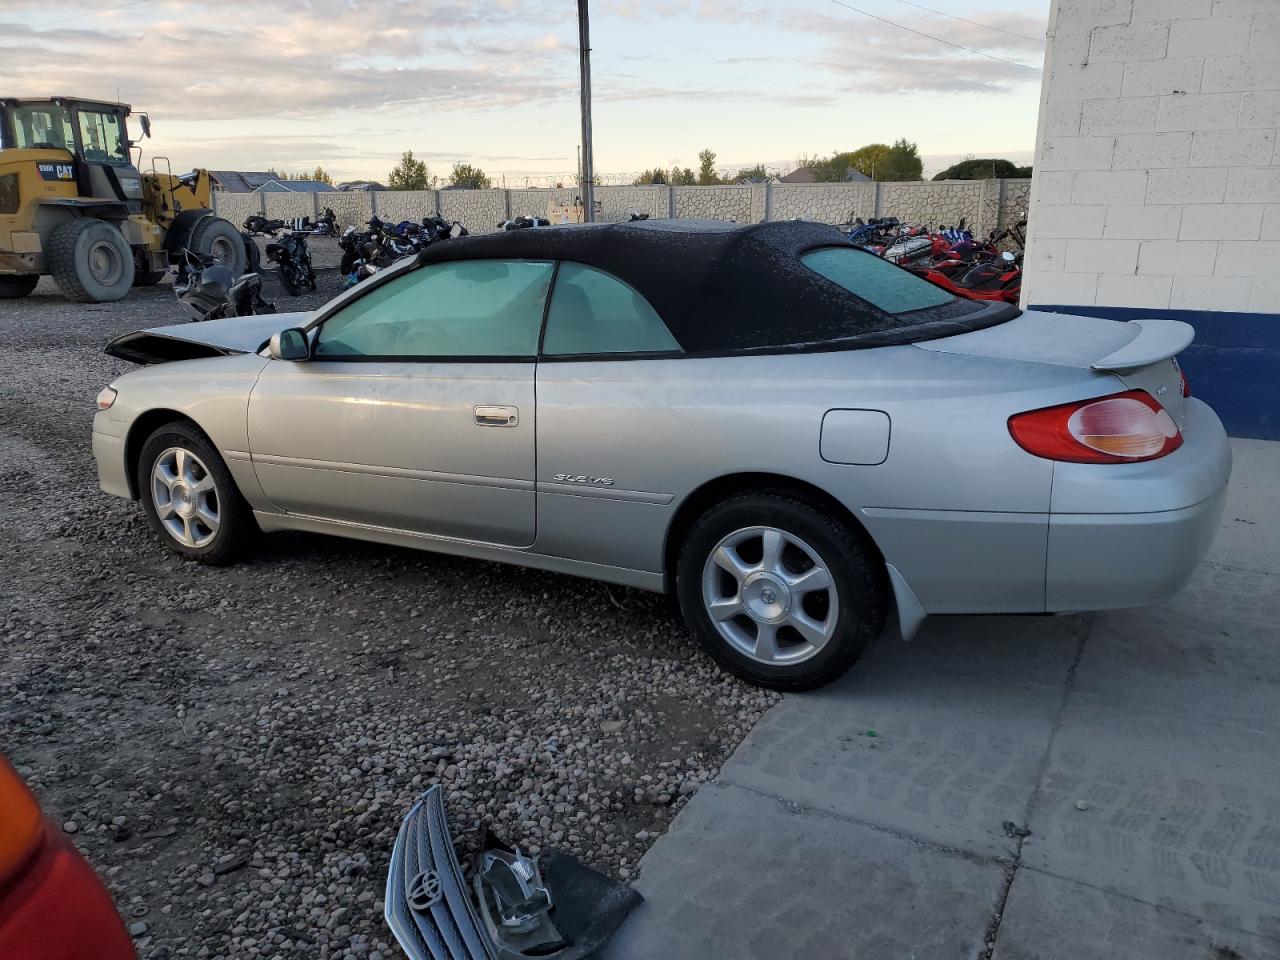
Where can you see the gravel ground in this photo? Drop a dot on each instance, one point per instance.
(233, 749)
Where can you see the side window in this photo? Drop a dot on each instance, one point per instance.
(102, 136)
(467, 308)
(593, 312)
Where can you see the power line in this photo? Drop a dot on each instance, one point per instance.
(975, 23)
(928, 36)
(92, 13)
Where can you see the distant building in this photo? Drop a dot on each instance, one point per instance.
(239, 181)
(296, 186)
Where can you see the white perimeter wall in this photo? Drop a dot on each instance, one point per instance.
(1157, 173)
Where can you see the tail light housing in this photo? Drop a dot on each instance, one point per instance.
(1121, 428)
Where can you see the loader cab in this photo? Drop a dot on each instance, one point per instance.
(94, 133)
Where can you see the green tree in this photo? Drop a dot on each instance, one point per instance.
(683, 178)
(646, 177)
(880, 161)
(904, 161)
(473, 178)
(409, 174)
(322, 175)
(707, 168)
(980, 169)
(758, 172)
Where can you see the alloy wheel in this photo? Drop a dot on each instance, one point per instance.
(770, 595)
(185, 497)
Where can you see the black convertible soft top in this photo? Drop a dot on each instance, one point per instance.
(722, 287)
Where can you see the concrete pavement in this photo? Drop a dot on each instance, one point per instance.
(886, 816)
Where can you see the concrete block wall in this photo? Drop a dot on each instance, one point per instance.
(1157, 171)
(1157, 186)
(237, 207)
(479, 210)
(288, 206)
(985, 204)
(714, 203)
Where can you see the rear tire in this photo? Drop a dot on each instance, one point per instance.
(215, 237)
(90, 261)
(796, 594)
(12, 288)
(190, 498)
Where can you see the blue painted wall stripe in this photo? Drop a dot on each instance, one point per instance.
(1233, 365)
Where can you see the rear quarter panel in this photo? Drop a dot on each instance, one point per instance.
(959, 508)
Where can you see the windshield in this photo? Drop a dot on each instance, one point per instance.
(103, 136)
(42, 125)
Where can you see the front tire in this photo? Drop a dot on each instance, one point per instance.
(189, 497)
(779, 592)
(91, 262)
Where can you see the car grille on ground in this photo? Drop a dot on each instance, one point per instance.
(428, 907)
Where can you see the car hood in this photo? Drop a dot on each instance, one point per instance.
(203, 338)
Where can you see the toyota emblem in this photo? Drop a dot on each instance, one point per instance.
(423, 891)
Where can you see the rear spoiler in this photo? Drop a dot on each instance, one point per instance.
(1156, 340)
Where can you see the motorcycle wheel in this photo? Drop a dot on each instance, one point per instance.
(289, 281)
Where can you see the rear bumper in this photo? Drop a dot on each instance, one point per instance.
(1147, 525)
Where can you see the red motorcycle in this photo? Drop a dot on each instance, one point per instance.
(999, 278)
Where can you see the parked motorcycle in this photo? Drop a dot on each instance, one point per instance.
(326, 225)
(293, 261)
(523, 223)
(210, 291)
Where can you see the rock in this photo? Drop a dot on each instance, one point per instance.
(70, 826)
(1081, 804)
(137, 928)
(611, 726)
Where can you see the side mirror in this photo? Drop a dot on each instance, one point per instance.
(289, 344)
(146, 124)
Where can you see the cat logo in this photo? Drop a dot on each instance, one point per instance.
(56, 171)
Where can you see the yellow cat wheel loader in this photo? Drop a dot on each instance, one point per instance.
(74, 206)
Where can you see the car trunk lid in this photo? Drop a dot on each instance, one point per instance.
(1138, 353)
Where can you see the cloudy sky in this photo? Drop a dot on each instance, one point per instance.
(246, 84)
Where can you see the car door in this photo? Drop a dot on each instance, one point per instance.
(605, 422)
(415, 410)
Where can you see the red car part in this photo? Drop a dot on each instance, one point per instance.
(52, 904)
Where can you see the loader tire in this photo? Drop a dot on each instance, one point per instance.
(215, 237)
(11, 288)
(90, 261)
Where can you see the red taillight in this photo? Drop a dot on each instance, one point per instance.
(1122, 428)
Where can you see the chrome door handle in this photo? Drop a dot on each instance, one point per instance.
(497, 416)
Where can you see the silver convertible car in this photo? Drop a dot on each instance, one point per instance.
(794, 436)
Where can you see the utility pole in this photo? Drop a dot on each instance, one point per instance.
(584, 63)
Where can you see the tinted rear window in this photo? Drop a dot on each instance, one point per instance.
(880, 283)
